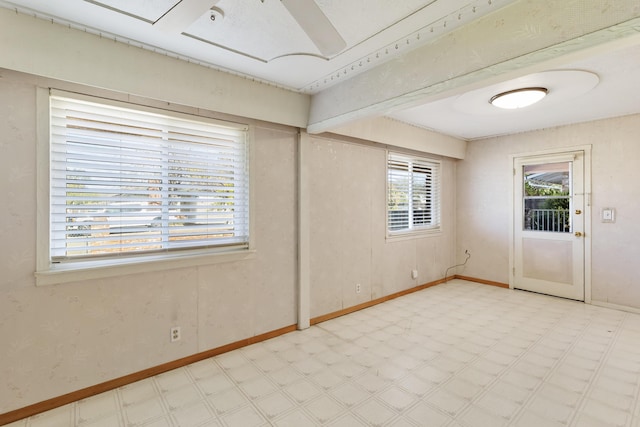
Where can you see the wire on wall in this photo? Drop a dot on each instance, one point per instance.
(468, 254)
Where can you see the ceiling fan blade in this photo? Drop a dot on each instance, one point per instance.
(317, 26)
(183, 14)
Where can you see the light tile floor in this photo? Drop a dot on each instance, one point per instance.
(458, 354)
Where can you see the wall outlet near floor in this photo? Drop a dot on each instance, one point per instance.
(358, 288)
(175, 334)
(414, 274)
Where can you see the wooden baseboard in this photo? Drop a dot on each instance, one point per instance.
(371, 303)
(484, 282)
(84, 393)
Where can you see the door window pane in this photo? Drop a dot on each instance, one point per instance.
(547, 197)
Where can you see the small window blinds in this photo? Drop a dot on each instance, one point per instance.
(413, 193)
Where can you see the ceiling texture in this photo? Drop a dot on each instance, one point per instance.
(429, 63)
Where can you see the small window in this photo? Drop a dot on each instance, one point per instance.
(547, 197)
(130, 181)
(413, 198)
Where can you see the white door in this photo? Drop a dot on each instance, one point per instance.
(549, 225)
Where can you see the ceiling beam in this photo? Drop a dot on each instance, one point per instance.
(513, 41)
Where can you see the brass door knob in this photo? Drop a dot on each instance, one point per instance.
(578, 211)
(578, 234)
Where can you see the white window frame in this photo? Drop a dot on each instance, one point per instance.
(433, 193)
(48, 272)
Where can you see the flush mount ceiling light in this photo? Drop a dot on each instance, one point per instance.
(564, 86)
(518, 98)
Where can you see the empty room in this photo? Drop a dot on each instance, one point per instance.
(319, 213)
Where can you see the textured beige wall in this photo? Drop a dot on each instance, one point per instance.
(348, 235)
(392, 132)
(484, 208)
(61, 338)
(36, 46)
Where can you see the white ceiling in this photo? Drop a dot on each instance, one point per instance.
(261, 40)
(470, 116)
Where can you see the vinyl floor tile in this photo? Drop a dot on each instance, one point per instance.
(459, 354)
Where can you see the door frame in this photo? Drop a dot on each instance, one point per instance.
(587, 209)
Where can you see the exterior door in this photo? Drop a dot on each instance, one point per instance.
(549, 225)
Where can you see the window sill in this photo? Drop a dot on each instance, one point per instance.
(413, 234)
(88, 270)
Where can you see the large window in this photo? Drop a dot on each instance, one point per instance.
(127, 181)
(413, 194)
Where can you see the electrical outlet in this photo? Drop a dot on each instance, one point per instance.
(175, 334)
(358, 288)
(414, 274)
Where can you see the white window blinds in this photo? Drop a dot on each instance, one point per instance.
(413, 193)
(128, 182)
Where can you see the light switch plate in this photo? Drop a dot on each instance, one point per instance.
(608, 215)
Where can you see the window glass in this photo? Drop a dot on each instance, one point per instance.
(127, 182)
(547, 197)
(413, 198)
